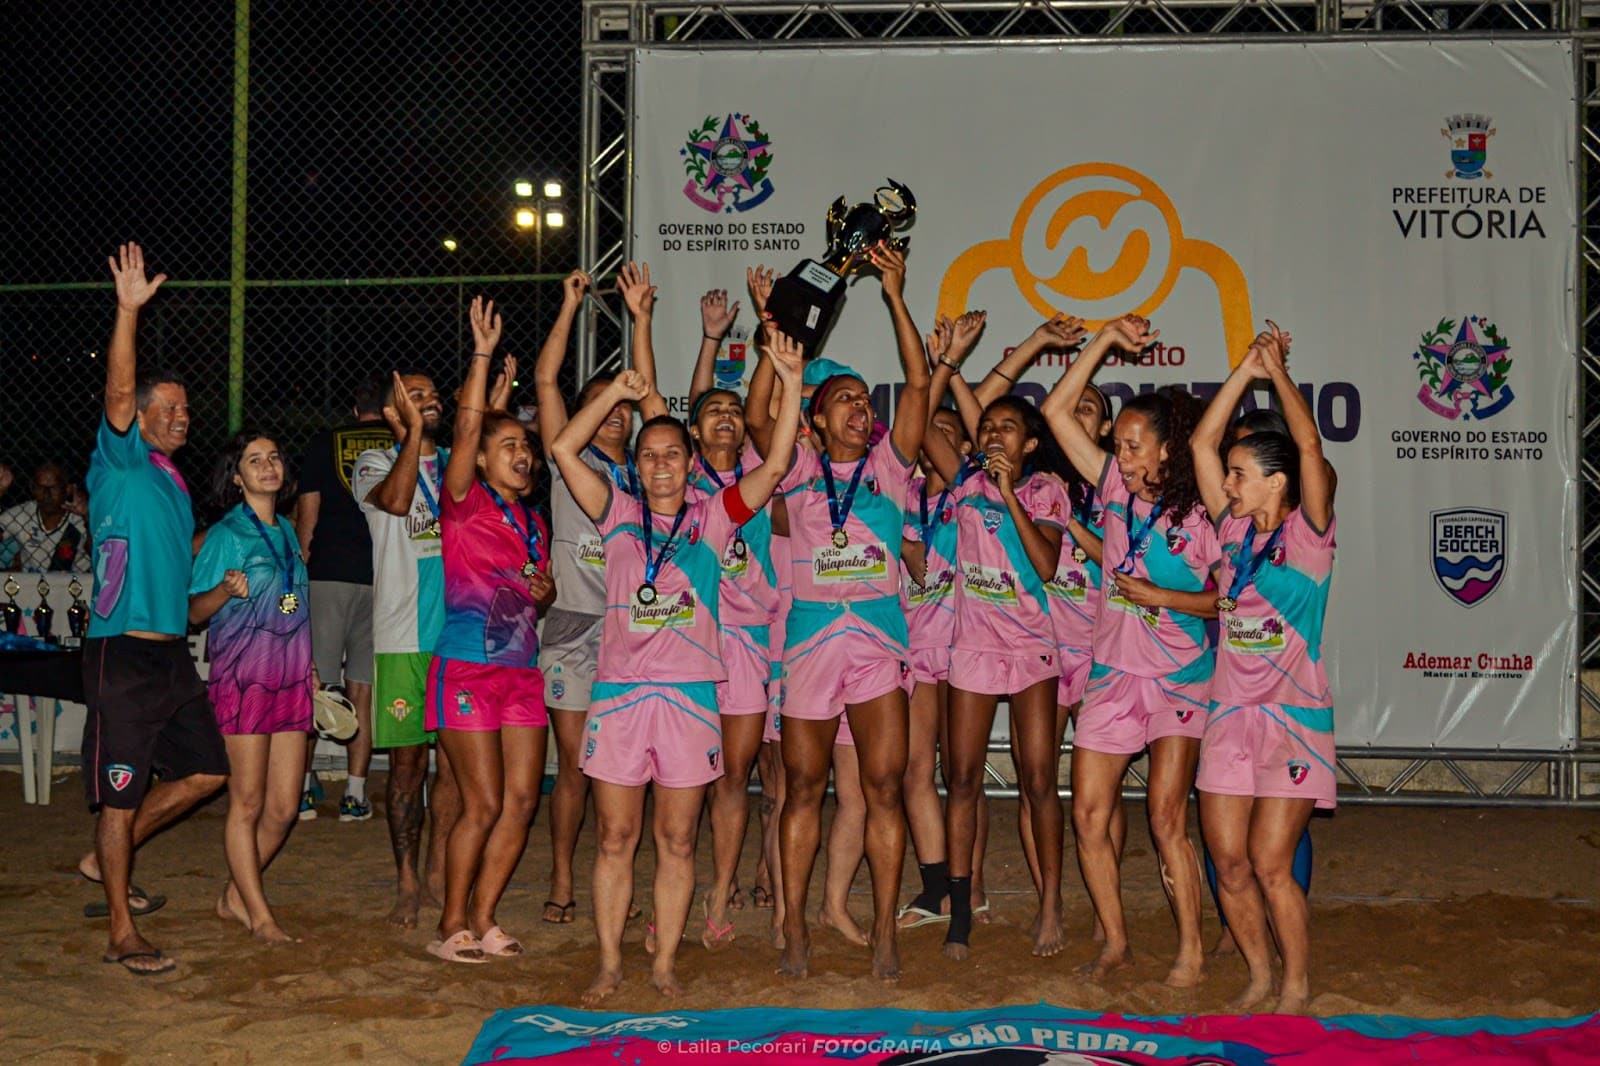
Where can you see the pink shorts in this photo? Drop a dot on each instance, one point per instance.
(1269, 750)
(999, 674)
(772, 731)
(1075, 667)
(843, 660)
(749, 664)
(1122, 713)
(636, 733)
(929, 666)
(480, 697)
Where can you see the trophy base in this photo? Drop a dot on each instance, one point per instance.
(805, 302)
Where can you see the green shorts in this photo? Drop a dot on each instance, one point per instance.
(399, 691)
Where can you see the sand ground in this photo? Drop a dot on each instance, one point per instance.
(1415, 911)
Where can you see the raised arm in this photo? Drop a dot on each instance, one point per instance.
(122, 363)
(1083, 451)
(1316, 476)
(591, 490)
(911, 409)
(1063, 333)
(640, 298)
(935, 445)
(463, 466)
(1206, 441)
(757, 487)
(393, 495)
(758, 410)
(547, 369)
(716, 319)
(964, 333)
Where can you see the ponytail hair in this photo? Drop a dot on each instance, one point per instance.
(1173, 414)
(1275, 453)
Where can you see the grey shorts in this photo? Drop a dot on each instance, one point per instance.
(341, 631)
(569, 654)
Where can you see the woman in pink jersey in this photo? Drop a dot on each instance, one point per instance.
(485, 692)
(1267, 759)
(1152, 653)
(653, 717)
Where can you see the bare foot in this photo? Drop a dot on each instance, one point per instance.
(956, 950)
(841, 923)
(1224, 945)
(666, 982)
(1294, 1000)
(268, 932)
(404, 913)
(1186, 973)
(605, 983)
(1110, 961)
(230, 908)
(886, 960)
(981, 914)
(89, 867)
(1257, 991)
(431, 897)
(1099, 934)
(796, 952)
(1047, 932)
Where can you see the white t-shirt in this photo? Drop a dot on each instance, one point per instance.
(577, 554)
(407, 557)
(25, 544)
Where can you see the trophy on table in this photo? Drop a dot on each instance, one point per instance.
(13, 613)
(78, 613)
(43, 614)
(803, 303)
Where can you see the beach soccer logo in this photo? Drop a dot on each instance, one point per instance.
(1469, 146)
(119, 776)
(1298, 771)
(1469, 553)
(726, 160)
(1464, 369)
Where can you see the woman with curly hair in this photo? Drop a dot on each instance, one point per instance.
(1153, 656)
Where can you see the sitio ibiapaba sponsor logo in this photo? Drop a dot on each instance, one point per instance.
(1468, 205)
(1468, 553)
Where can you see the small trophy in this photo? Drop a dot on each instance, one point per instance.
(78, 613)
(804, 303)
(13, 613)
(43, 614)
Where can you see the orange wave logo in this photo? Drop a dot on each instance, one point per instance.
(1078, 204)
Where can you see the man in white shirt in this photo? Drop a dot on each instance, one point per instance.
(48, 533)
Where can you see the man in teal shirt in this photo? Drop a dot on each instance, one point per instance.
(147, 708)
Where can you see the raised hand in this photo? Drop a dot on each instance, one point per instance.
(1132, 333)
(892, 266)
(500, 393)
(787, 355)
(637, 292)
(630, 385)
(573, 288)
(403, 416)
(1062, 331)
(716, 316)
(236, 584)
(966, 330)
(485, 326)
(1277, 361)
(759, 281)
(127, 271)
(938, 342)
(1002, 473)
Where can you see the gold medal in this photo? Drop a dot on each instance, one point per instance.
(1226, 604)
(1079, 555)
(528, 569)
(841, 539)
(288, 603)
(646, 594)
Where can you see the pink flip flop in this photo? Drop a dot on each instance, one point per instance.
(499, 943)
(455, 949)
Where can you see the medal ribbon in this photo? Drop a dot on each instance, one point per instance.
(1138, 534)
(161, 461)
(1245, 564)
(839, 510)
(629, 484)
(430, 492)
(652, 567)
(272, 550)
(924, 525)
(738, 474)
(531, 535)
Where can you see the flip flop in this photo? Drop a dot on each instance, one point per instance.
(736, 899)
(565, 910)
(762, 897)
(650, 938)
(981, 914)
(713, 937)
(123, 960)
(456, 947)
(924, 917)
(499, 943)
(634, 912)
(140, 902)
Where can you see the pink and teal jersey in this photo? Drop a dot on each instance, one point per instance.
(868, 566)
(931, 606)
(1001, 604)
(1270, 646)
(750, 580)
(1160, 643)
(489, 614)
(1074, 591)
(672, 636)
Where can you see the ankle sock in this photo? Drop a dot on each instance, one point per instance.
(960, 911)
(356, 788)
(935, 886)
(310, 783)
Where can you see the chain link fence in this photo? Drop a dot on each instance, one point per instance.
(327, 185)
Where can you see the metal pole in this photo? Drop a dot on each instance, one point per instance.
(236, 278)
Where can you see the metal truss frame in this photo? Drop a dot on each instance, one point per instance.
(615, 29)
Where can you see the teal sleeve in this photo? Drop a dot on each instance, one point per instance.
(220, 553)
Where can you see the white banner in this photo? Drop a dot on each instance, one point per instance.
(1408, 210)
